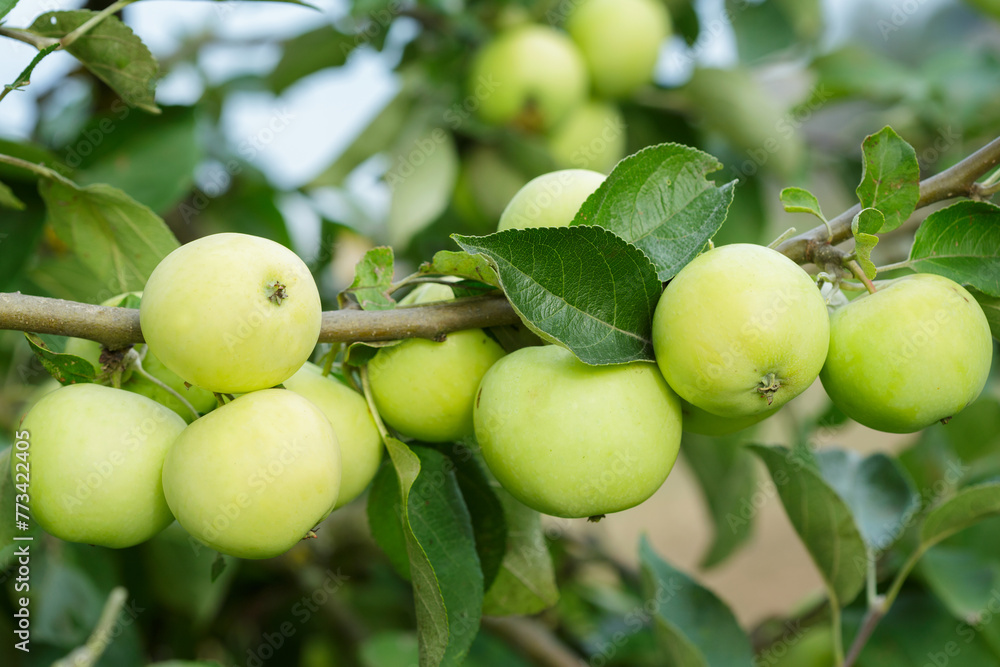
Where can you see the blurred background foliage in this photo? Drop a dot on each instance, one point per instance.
(287, 122)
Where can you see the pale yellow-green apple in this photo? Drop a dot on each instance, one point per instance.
(741, 330)
(915, 352)
(423, 388)
(231, 313)
(360, 443)
(253, 477)
(701, 422)
(620, 40)
(591, 137)
(95, 459)
(550, 200)
(530, 76)
(573, 440)
(808, 647)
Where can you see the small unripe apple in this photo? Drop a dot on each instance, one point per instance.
(530, 76)
(550, 200)
(701, 422)
(573, 440)
(360, 442)
(917, 351)
(231, 313)
(620, 40)
(95, 459)
(591, 137)
(741, 330)
(253, 477)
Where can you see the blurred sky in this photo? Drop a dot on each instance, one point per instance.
(328, 107)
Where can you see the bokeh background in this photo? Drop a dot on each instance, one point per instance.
(284, 121)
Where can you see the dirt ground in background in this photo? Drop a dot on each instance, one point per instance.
(772, 573)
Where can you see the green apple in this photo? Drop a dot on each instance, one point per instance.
(809, 647)
(550, 200)
(530, 76)
(591, 137)
(620, 40)
(231, 313)
(701, 422)
(360, 442)
(915, 352)
(573, 440)
(741, 330)
(95, 459)
(253, 477)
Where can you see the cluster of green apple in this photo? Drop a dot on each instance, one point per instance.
(564, 83)
(225, 315)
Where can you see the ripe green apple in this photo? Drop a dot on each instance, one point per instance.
(915, 352)
(702, 422)
(530, 76)
(95, 459)
(347, 410)
(591, 137)
(573, 440)
(253, 477)
(550, 200)
(741, 330)
(620, 40)
(231, 313)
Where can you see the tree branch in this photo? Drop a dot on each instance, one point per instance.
(956, 181)
(533, 640)
(119, 327)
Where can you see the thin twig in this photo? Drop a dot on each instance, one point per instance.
(28, 37)
(88, 654)
(859, 273)
(81, 30)
(533, 640)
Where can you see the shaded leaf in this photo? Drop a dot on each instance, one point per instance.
(968, 507)
(798, 200)
(694, 626)
(485, 510)
(6, 6)
(66, 368)
(9, 200)
(991, 307)
(308, 53)
(218, 566)
(822, 520)
(863, 226)
(385, 520)
(661, 201)
(110, 50)
(116, 237)
(450, 263)
(961, 242)
(891, 178)
(372, 281)
(582, 287)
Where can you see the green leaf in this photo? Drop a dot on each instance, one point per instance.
(110, 50)
(117, 238)
(991, 307)
(311, 52)
(864, 226)
(694, 626)
(20, 232)
(970, 506)
(9, 200)
(152, 159)
(384, 519)
(66, 368)
(485, 510)
(961, 242)
(359, 354)
(822, 520)
(444, 567)
(727, 476)
(876, 488)
(450, 263)
(798, 200)
(661, 201)
(891, 178)
(421, 180)
(526, 583)
(582, 287)
(372, 281)
(6, 6)
(218, 566)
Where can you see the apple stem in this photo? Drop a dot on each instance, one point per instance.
(859, 273)
(136, 363)
(370, 399)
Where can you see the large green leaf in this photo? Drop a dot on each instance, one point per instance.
(66, 368)
(727, 475)
(582, 287)
(20, 232)
(961, 242)
(110, 50)
(444, 566)
(385, 520)
(822, 520)
(6, 6)
(694, 626)
(117, 238)
(891, 178)
(876, 488)
(661, 201)
(969, 507)
(991, 307)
